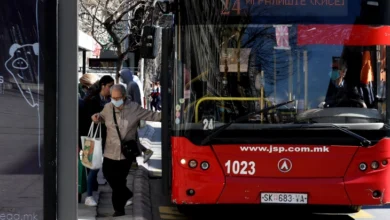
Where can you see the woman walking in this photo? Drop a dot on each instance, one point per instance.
(116, 166)
(94, 102)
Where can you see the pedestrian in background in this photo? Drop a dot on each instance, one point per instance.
(95, 102)
(86, 81)
(86, 84)
(116, 166)
(154, 95)
(133, 89)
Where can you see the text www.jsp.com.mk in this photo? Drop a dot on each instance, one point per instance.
(272, 149)
(17, 216)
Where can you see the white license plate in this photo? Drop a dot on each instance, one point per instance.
(284, 198)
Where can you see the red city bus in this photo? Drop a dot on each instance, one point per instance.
(277, 102)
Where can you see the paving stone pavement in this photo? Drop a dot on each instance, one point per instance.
(85, 212)
(141, 209)
(105, 209)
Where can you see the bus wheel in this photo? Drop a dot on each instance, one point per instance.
(351, 209)
(355, 208)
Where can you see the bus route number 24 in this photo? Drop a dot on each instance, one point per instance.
(208, 123)
(240, 167)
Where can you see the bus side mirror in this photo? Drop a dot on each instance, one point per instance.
(149, 42)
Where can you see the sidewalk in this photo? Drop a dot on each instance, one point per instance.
(137, 181)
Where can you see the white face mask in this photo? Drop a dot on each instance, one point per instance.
(118, 103)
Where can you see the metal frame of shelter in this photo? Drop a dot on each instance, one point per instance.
(60, 118)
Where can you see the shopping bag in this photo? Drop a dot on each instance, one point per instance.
(91, 154)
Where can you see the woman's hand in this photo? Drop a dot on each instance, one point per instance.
(96, 118)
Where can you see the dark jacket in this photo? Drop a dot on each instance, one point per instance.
(82, 122)
(91, 105)
(133, 89)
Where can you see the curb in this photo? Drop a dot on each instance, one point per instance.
(142, 206)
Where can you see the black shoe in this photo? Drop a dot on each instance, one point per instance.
(117, 214)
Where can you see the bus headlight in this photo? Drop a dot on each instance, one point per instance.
(204, 165)
(192, 163)
(363, 166)
(374, 165)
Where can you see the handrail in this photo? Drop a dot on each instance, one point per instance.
(193, 103)
(222, 99)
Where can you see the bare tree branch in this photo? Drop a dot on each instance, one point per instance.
(113, 22)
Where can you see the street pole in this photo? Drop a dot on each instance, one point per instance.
(67, 114)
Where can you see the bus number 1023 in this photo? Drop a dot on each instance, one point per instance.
(240, 167)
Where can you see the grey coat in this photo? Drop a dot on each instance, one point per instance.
(128, 119)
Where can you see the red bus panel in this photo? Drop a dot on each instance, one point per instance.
(237, 174)
(284, 161)
(207, 184)
(351, 35)
(361, 185)
(246, 190)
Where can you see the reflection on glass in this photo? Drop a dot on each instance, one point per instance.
(334, 68)
(21, 111)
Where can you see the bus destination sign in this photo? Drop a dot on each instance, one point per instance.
(285, 8)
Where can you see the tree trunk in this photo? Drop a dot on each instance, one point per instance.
(117, 70)
(120, 56)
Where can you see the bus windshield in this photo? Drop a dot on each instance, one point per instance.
(328, 58)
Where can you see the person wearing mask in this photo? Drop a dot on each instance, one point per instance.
(116, 166)
(134, 92)
(95, 102)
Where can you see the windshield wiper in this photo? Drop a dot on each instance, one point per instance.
(363, 141)
(240, 119)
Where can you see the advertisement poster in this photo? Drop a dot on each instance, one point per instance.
(21, 110)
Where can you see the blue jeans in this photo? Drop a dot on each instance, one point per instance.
(92, 183)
